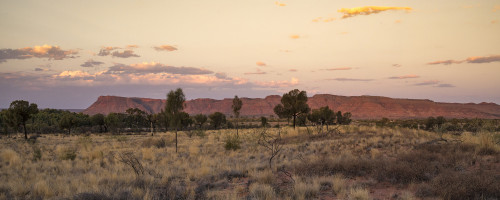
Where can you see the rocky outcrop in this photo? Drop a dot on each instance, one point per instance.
(361, 107)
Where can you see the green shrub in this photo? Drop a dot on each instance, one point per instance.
(232, 143)
(37, 153)
(158, 143)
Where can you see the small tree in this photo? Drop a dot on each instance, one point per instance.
(217, 119)
(344, 119)
(200, 119)
(5, 121)
(164, 119)
(98, 119)
(21, 111)
(186, 120)
(327, 116)
(315, 118)
(293, 103)
(115, 121)
(173, 109)
(237, 104)
(68, 121)
(272, 143)
(136, 118)
(263, 122)
(429, 123)
(152, 119)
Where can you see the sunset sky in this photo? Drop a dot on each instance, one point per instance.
(64, 54)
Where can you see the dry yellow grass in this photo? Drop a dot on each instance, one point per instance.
(77, 165)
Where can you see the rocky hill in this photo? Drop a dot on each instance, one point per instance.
(361, 107)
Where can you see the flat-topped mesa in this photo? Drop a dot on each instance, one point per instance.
(361, 107)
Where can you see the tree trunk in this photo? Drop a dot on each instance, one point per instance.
(279, 128)
(151, 128)
(175, 139)
(294, 116)
(25, 133)
(237, 127)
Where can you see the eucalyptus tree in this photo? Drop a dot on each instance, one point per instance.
(217, 119)
(200, 119)
(294, 104)
(21, 111)
(173, 110)
(237, 104)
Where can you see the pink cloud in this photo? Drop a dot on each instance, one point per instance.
(165, 48)
(368, 10)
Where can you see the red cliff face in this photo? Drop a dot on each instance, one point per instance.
(361, 107)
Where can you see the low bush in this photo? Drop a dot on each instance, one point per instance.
(66, 153)
(470, 185)
(156, 142)
(232, 142)
(346, 165)
(37, 153)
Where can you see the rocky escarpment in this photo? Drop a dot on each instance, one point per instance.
(361, 107)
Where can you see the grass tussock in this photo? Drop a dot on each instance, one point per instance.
(262, 191)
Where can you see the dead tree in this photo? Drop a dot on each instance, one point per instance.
(271, 143)
(129, 159)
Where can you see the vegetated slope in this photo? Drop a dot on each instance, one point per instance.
(361, 107)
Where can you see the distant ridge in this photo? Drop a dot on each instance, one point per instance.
(361, 107)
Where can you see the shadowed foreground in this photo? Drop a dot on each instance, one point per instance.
(355, 163)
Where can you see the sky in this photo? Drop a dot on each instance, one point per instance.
(65, 54)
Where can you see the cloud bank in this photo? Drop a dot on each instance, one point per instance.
(45, 51)
(153, 67)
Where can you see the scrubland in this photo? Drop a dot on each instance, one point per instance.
(356, 162)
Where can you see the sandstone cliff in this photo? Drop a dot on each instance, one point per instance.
(361, 107)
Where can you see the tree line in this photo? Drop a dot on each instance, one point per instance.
(23, 116)
(441, 124)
